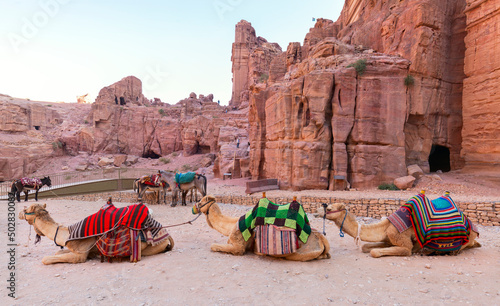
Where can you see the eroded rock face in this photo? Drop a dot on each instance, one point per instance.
(251, 58)
(408, 101)
(481, 103)
(127, 91)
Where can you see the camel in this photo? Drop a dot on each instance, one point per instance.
(77, 250)
(317, 246)
(383, 237)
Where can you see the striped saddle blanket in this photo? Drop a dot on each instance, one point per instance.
(439, 225)
(273, 240)
(31, 181)
(109, 217)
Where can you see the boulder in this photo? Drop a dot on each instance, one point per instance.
(105, 161)
(404, 182)
(415, 171)
(119, 160)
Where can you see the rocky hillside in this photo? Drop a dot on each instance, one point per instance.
(121, 122)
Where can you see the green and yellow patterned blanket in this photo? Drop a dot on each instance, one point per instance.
(291, 215)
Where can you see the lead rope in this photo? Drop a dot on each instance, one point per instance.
(324, 217)
(342, 225)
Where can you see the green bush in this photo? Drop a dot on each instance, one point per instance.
(387, 186)
(57, 145)
(409, 80)
(174, 154)
(164, 160)
(263, 78)
(186, 167)
(359, 65)
(161, 111)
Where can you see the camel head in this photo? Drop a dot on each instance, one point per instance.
(333, 211)
(203, 205)
(30, 213)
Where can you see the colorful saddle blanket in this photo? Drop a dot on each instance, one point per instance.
(28, 181)
(291, 215)
(121, 242)
(153, 180)
(272, 240)
(107, 218)
(438, 225)
(401, 219)
(183, 178)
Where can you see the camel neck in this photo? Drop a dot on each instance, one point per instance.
(350, 224)
(49, 229)
(221, 223)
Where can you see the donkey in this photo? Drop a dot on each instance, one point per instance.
(159, 186)
(26, 184)
(199, 183)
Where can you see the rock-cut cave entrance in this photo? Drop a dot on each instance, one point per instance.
(150, 154)
(439, 159)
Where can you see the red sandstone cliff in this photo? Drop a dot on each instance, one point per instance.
(315, 119)
(481, 102)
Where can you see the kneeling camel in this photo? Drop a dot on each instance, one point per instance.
(317, 246)
(77, 250)
(384, 238)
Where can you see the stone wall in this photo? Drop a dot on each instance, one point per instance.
(483, 213)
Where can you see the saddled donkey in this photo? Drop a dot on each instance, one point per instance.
(26, 184)
(199, 183)
(153, 183)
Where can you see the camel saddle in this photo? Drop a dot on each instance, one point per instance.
(274, 240)
(291, 215)
(439, 225)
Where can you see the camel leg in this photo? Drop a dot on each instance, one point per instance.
(367, 247)
(401, 241)
(69, 257)
(63, 251)
(164, 246)
(317, 247)
(236, 244)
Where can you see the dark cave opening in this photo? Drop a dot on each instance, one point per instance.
(150, 154)
(122, 101)
(439, 159)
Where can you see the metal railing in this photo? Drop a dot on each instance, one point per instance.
(64, 179)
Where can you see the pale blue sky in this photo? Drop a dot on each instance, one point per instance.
(54, 50)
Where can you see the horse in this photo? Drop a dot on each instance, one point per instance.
(25, 184)
(199, 183)
(158, 185)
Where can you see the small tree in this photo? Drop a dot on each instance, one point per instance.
(409, 80)
(359, 65)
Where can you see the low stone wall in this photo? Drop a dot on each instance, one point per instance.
(484, 213)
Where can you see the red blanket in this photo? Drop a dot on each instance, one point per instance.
(108, 217)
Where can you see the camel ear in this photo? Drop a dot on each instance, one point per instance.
(44, 205)
(341, 206)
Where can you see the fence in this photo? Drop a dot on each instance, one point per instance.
(65, 179)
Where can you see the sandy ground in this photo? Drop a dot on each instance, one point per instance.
(191, 274)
